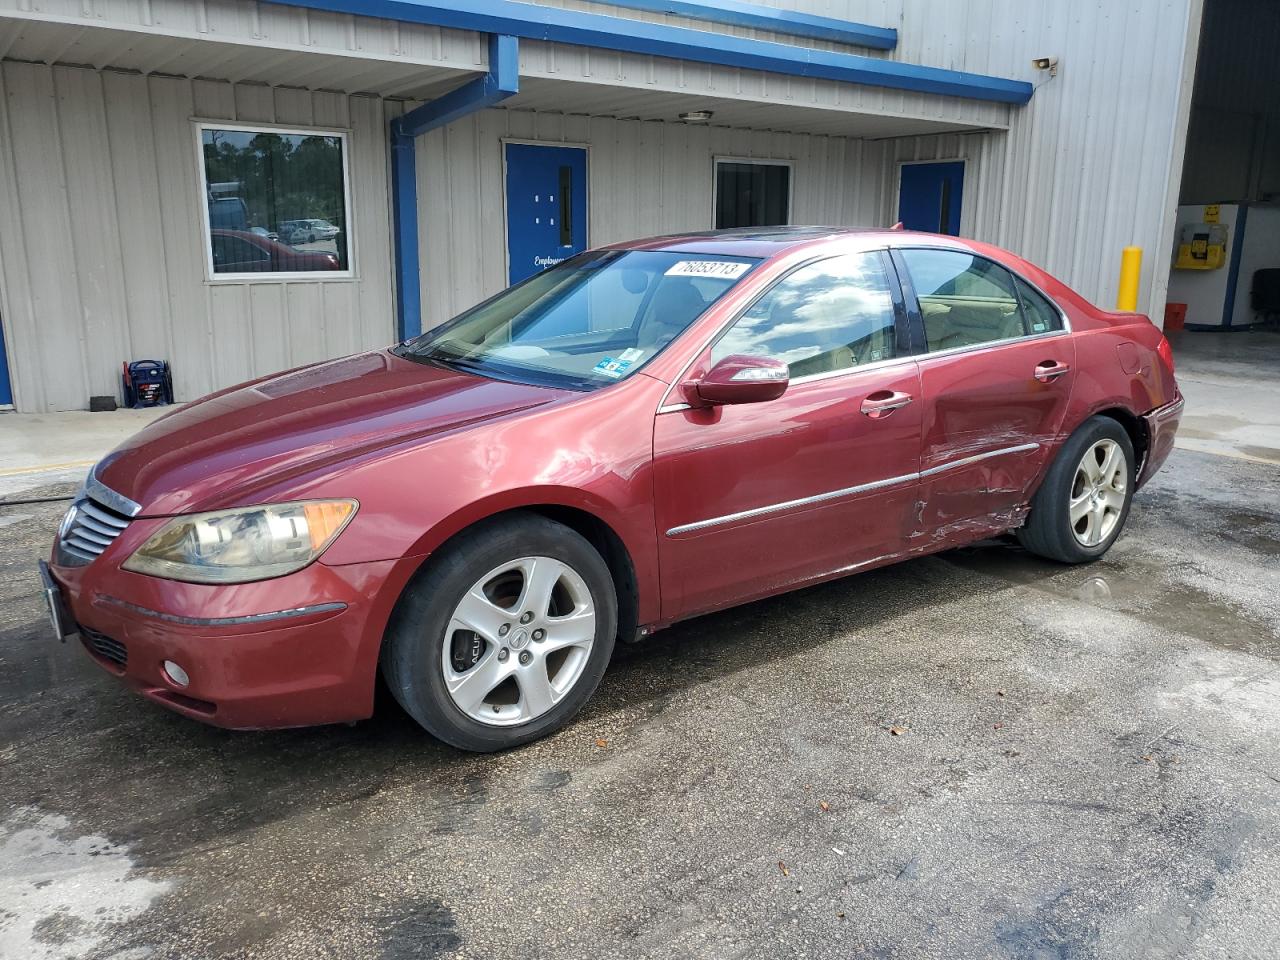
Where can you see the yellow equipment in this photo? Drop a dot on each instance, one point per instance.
(1203, 246)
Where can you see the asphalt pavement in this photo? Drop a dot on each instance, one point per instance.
(978, 754)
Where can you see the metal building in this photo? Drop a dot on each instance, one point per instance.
(239, 187)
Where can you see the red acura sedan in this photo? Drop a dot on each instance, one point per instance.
(641, 434)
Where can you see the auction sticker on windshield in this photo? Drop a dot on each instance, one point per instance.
(611, 367)
(726, 269)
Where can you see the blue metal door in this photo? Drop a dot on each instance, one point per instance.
(929, 197)
(546, 206)
(6, 392)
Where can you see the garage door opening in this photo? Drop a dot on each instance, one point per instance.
(1223, 308)
(1225, 271)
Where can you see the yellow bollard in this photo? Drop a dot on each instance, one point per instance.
(1130, 272)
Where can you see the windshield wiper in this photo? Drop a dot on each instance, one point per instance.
(450, 360)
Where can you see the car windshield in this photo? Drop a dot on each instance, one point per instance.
(585, 323)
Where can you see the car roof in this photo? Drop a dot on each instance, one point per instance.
(766, 242)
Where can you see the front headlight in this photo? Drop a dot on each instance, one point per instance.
(244, 543)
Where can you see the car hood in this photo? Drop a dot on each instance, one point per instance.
(220, 450)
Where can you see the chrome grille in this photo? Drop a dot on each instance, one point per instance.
(89, 527)
(105, 647)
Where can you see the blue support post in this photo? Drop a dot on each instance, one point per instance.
(404, 211)
(501, 81)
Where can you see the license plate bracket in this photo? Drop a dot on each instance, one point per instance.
(60, 616)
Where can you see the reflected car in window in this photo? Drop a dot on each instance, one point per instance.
(642, 434)
(247, 251)
(307, 231)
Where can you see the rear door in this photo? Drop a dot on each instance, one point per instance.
(756, 498)
(996, 379)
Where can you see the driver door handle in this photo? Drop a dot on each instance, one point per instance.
(884, 402)
(1049, 370)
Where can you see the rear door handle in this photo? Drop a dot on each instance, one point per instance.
(884, 402)
(1049, 370)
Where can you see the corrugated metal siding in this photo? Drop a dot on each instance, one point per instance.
(101, 249)
(657, 74)
(262, 26)
(1092, 163)
(102, 257)
(299, 32)
(644, 178)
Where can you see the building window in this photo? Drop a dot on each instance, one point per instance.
(276, 201)
(751, 193)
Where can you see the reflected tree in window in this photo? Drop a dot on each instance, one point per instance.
(278, 200)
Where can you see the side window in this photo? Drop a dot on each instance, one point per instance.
(835, 314)
(965, 300)
(1042, 316)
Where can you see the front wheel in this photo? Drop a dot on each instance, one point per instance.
(1082, 505)
(504, 636)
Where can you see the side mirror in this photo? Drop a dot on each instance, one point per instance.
(739, 379)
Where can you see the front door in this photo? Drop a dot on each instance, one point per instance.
(757, 498)
(546, 207)
(995, 386)
(929, 196)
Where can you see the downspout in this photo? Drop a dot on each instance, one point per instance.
(501, 81)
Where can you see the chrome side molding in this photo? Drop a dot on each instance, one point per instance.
(846, 491)
(289, 614)
(965, 461)
(791, 504)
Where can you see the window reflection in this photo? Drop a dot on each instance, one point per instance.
(831, 315)
(276, 200)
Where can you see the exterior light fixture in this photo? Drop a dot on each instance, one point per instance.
(697, 116)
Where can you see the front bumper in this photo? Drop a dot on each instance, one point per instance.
(294, 651)
(1162, 427)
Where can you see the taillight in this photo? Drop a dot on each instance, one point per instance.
(1166, 353)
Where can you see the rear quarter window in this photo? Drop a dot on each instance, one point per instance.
(1042, 316)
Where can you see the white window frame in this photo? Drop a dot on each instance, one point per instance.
(309, 276)
(758, 161)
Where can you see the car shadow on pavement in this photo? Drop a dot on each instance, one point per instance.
(88, 748)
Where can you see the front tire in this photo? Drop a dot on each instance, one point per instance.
(504, 636)
(1083, 503)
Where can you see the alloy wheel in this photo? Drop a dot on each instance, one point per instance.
(1098, 493)
(518, 641)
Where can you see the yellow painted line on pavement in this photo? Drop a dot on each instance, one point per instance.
(18, 471)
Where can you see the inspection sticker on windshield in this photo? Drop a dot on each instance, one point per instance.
(611, 367)
(720, 269)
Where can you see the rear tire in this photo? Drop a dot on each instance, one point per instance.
(1083, 503)
(505, 634)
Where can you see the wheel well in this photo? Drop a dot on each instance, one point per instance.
(1135, 428)
(601, 536)
(610, 546)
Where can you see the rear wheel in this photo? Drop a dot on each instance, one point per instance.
(1080, 509)
(505, 636)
